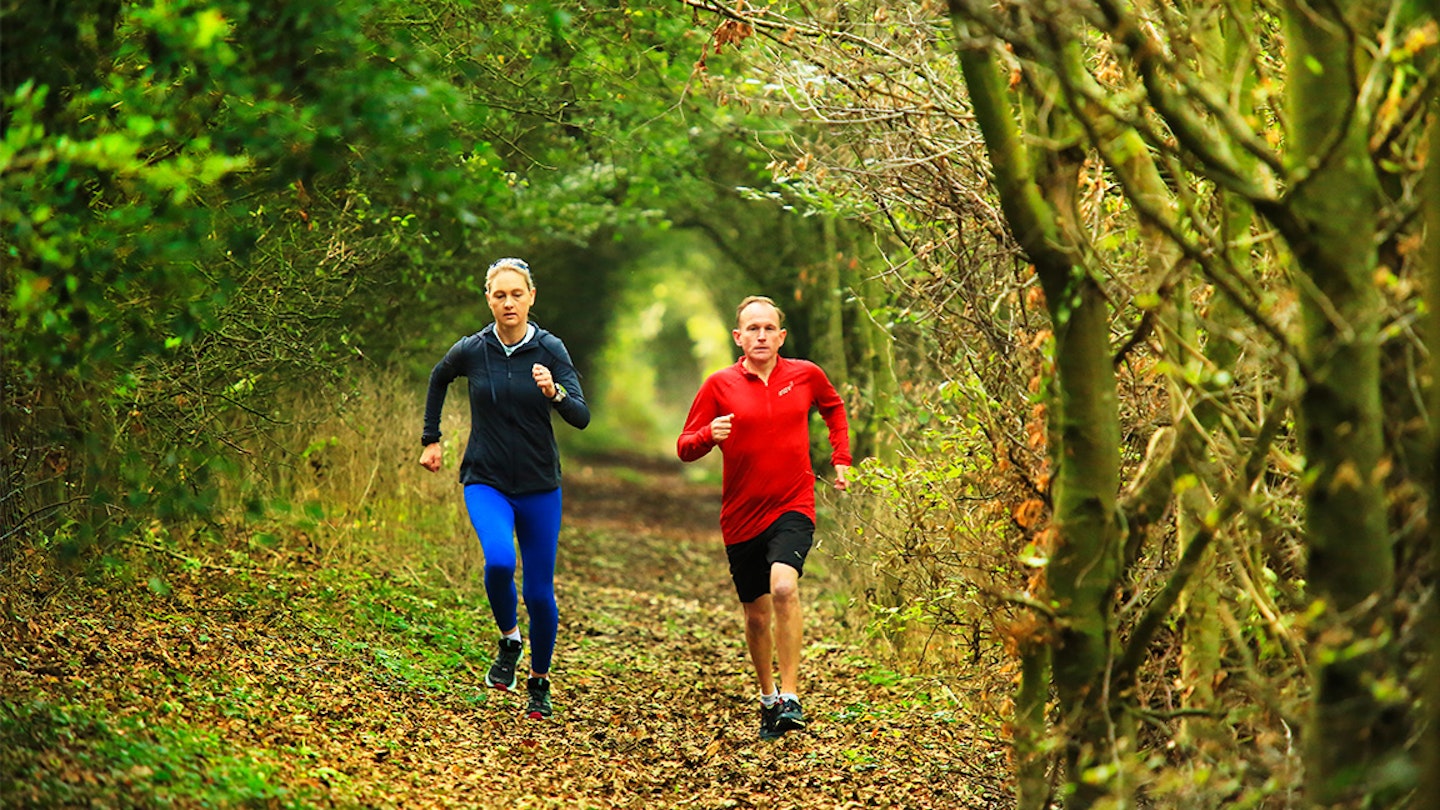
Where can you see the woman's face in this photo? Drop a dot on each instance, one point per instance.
(510, 298)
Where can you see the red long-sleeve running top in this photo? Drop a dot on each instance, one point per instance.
(766, 468)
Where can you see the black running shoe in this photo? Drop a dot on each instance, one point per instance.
(790, 717)
(539, 706)
(502, 672)
(768, 716)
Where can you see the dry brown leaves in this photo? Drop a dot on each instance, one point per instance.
(654, 699)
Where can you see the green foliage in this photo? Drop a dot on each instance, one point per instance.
(667, 336)
(163, 276)
(206, 204)
(420, 636)
(154, 764)
(117, 194)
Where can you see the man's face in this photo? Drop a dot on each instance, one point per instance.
(759, 334)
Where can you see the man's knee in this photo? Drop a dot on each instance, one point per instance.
(757, 622)
(758, 614)
(784, 582)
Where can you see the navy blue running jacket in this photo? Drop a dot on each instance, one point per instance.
(512, 444)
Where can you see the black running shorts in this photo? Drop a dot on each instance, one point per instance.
(787, 540)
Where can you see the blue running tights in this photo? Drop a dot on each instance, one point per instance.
(533, 520)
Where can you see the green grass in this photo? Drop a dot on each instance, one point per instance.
(127, 762)
(420, 634)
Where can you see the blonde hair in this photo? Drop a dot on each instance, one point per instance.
(509, 263)
(759, 299)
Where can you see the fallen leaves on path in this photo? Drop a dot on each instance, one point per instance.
(242, 689)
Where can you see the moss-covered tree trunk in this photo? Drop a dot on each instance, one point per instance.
(1430, 745)
(1352, 736)
(1085, 557)
(871, 355)
(1032, 781)
(824, 293)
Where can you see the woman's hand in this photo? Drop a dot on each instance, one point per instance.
(430, 458)
(543, 380)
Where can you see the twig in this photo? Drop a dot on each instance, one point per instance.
(37, 513)
(226, 569)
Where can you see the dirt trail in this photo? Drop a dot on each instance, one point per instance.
(656, 697)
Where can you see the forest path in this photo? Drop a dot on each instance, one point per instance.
(655, 694)
(245, 687)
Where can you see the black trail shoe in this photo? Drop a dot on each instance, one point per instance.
(768, 716)
(790, 717)
(502, 672)
(539, 706)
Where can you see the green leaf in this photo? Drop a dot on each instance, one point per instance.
(210, 25)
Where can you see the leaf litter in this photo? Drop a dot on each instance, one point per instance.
(364, 688)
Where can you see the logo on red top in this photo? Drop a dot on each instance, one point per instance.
(783, 391)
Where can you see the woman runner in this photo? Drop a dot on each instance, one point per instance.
(518, 373)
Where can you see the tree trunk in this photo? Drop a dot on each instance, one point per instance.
(1201, 635)
(1085, 560)
(824, 294)
(1032, 779)
(1353, 735)
(1429, 757)
(872, 359)
(1085, 563)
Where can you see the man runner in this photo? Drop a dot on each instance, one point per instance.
(757, 412)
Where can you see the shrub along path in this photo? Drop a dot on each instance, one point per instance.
(291, 683)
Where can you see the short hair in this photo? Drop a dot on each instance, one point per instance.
(509, 263)
(759, 299)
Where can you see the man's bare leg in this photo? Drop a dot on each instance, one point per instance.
(760, 642)
(785, 592)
